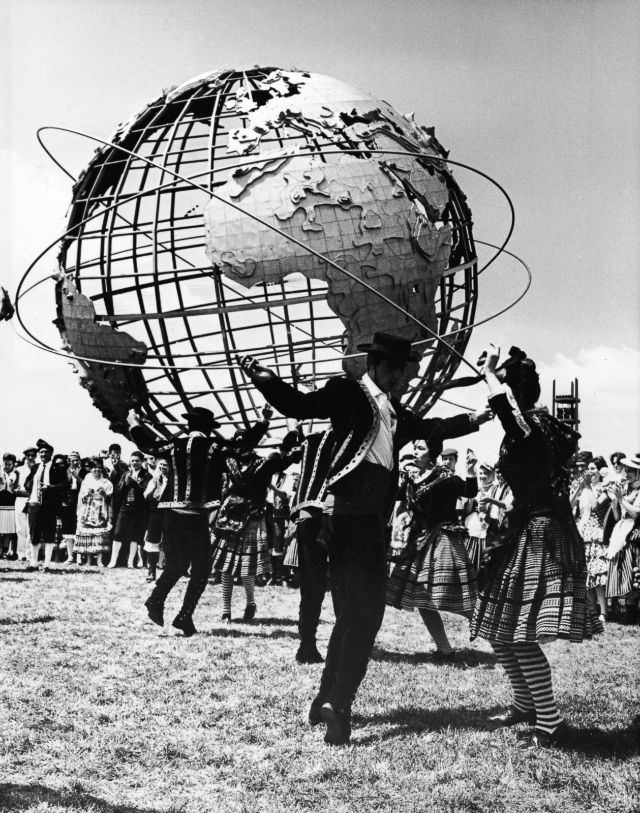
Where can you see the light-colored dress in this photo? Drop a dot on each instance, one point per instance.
(590, 524)
(94, 515)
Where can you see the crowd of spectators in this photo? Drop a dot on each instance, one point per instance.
(62, 509)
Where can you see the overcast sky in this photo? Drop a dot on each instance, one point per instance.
(543, 96)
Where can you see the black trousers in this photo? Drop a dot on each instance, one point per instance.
(42, 523)
(186, 543)
(358, 573)
(312, 572)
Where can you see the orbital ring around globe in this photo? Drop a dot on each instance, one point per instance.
(501, 249)
(366, 237)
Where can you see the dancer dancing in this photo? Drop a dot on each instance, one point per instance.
(369, 428)
(435, 572)
(197, 467)
(242, 549)
(535, 588)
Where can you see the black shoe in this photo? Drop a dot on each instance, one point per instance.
(315, 718)
(249, 612)
(338, 722)
(537, 738)
(308, 653)
(184, 623)
(30, 569)
(155, 612)
(512, 716)
(150, 577)
(225, 617)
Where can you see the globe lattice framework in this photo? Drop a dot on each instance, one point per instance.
(160, 273)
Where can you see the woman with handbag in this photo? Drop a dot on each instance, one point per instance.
(240, 531)
(534, 584)
(624, 545)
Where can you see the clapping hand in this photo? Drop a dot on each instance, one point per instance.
(471, 461)
(267, 412)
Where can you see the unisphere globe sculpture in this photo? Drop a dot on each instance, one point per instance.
(241, 212)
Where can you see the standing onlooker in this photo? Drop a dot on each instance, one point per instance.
(130, 509)
(592, 502)
(22, 522)
(8, 484)
(69, 520)
(153, 493)
(624, 545)
(93, 514)
(45, 486)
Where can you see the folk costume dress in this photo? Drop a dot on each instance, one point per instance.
(624, 549)
(435, 571)
(477, 524)
(592, 509)
(240, 530)
(536, 588)
(8, 484)
(94, 516)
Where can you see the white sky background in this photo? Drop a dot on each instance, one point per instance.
(543, 95)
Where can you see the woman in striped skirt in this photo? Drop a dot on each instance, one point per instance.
(240, 531)
(624, 545)
(534, 587)
(435, 573)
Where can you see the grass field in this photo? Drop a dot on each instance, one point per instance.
(101, 711)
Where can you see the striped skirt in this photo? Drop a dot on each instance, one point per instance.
(91, 542)
(291, 556)
(7, 519)
(620, 575)
(475, 548)
(529, 597)
(246, 555)
(439, 576)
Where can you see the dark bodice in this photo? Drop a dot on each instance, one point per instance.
(435, 498)
(251, 481)
(534, 456)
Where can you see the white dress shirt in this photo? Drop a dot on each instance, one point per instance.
(381, 451)
(40, 479)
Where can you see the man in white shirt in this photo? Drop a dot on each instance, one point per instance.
(44, 492)
(370, 427)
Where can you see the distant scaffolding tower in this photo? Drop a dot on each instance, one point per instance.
(565, 407)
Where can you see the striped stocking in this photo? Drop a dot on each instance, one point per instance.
(435, 628)
(537, 674)
(522, 699)
(249, 583)
(227, 590)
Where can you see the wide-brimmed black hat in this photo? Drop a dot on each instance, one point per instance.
(202, 416)
(42, 444)
(392, 347)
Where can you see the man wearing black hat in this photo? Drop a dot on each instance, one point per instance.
(44, 486)
(369, 426)
(197, 464)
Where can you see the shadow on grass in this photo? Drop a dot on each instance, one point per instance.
(620, 743)
(246, 630)
(464, 658)
(15, 578)
(275, 622)
(37, 619)
(28, 797)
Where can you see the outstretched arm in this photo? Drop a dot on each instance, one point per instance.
(287, 399)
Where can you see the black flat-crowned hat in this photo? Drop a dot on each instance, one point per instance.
(202, 416)
(392, 347)
(42, 444)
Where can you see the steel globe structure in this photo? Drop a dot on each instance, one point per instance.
(269, 212)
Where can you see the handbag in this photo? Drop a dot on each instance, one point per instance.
(232, 518)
